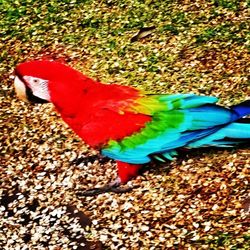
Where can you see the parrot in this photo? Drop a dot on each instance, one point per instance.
(128, 125)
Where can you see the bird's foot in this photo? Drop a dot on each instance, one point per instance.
(113, 187)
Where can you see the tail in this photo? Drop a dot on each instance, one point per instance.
(232, 134)
(242, 109)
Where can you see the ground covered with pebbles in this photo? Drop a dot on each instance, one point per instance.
(198, 201)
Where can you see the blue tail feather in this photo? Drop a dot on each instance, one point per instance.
(242, 109)
(231, 134)
(234, 132)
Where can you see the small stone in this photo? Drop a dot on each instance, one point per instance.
(144, 228)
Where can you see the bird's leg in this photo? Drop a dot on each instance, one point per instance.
(126, 172)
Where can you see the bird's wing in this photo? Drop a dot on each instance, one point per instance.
(175, 121)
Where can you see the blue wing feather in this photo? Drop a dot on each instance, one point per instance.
(204, 124)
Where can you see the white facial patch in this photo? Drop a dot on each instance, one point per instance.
(20, 89)
(38, 86)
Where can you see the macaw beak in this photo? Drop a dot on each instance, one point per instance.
(20, 89)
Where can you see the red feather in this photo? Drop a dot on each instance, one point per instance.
(96, 112)
(93, 110)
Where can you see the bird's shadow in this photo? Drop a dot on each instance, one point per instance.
(159, 167)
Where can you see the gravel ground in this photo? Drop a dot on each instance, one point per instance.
(198, 201)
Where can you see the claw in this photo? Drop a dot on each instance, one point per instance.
(113, 187)
(105, 189)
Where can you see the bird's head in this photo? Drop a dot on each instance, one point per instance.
(34, 80)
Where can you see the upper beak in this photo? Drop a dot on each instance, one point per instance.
(20, 89)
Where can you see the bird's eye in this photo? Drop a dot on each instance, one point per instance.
(35, 80)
